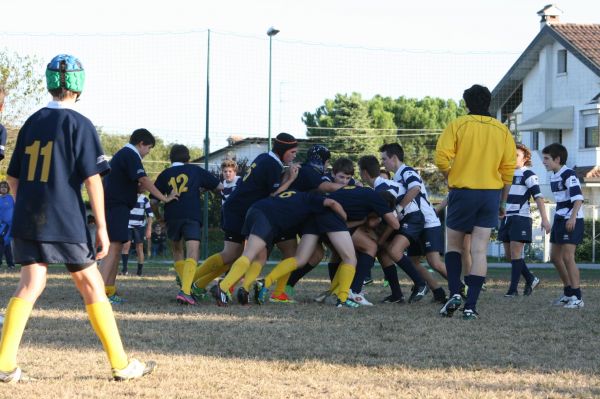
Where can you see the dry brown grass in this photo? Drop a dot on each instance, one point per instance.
(520, 348)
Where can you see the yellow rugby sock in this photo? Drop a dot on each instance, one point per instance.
(179, 267)
(252, 274)
(187, 275)
(15, 320)
(238, 269)
(103, 322)
(346, 273)
(203, 281)
(335, 282)
(211, 264)
(281, 283)
(110, 290)
(283, 268)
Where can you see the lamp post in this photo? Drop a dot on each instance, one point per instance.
(271, 32)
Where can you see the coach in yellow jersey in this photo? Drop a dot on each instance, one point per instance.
(477, 154)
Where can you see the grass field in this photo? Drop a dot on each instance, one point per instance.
(519, 348)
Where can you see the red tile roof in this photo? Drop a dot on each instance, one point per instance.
(584, 37)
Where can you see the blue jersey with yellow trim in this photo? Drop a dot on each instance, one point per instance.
(57, 149)
(188, 180)
(308, 179)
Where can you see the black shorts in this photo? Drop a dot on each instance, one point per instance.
(186, 229)
(117, 223)
(233, 236)
(258, 224)
(137, 234)
(286, 236)
(469, 208)
(330, 222)
(411, 226)
(430, 240)
(515, 228)
(560, 235)
(76, 256)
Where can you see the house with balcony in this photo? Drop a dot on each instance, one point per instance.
(552, 94)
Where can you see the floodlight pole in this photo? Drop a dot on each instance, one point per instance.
(206, 152)
(271, 32)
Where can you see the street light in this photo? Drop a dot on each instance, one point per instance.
(271, 32)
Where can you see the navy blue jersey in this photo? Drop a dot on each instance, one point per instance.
(3, 136)
(290, 208)
(262, 178)
(188, 180)
(308, 179)
(57, 149)
(358, 202)
(120, 185)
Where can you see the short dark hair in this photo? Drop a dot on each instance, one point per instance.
(478, 98)
(343, 165)
(61, 93)
(142, 136)
(369, 164)
(557, 150)
(392, 149)
(179, 153)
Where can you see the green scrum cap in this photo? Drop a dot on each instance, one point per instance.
(65, 71)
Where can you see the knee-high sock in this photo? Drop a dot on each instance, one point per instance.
(203, 281)
(346, 275)
(335, 281)
(515, 274)
(238, 269)
(252, 274)
(17, 314)
(474, 283)
(187, 275)
(125, 260)
(391, 275)
(409, 268)
(364, 263)
(332, 267)
(280, 285)
(283, 268)
(110, 290)
(104, 324)
(526, 273)
(179, 265)
(211, 264)
(453, 268)
(299, 273)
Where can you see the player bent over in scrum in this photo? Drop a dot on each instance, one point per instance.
(267, 219)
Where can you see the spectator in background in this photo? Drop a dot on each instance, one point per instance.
(140, 224)
(229, 169)
(7, 205)
(159, 239)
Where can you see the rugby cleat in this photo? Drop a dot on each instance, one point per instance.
(574, 303)
(470, 314)
(417, 293)
(368, 281)
(281, 298)
(348, 303)
(222, 297)
(261, 293)
(135, 369)
(359, 298)
(243, 296)
(322, 296)
(14, 376)
(393, 299)
(116, 300)
(451, 306)
(512, 294)
(199, 294)
(529, 287)
(185, 299)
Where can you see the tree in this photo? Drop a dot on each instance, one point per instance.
(23, 79)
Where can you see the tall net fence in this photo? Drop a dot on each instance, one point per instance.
(187, 86)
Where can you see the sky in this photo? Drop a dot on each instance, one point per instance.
(146, 60)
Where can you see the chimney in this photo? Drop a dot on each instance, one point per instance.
(550, 15)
